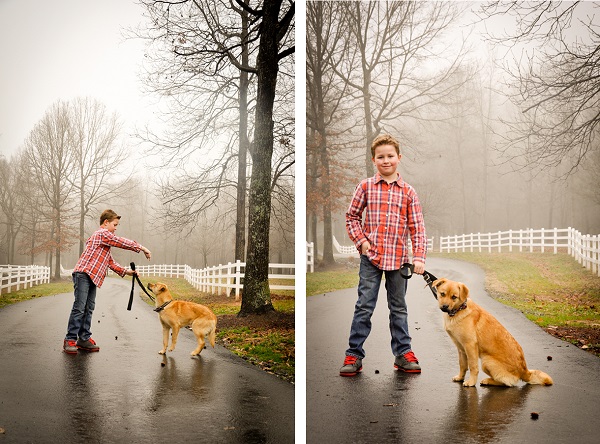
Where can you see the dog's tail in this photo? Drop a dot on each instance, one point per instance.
(538, 377)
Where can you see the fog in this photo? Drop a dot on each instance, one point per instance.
(486, 143)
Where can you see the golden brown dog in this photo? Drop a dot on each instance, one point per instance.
(478, 335)
(176, 314)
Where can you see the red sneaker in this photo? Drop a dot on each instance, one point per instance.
(70, 347)
(407, 363)
(89, 345)
(352, 366)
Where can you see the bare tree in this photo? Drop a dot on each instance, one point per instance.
(199, 51)
(553, 81)
(50, 159)
(326, 100)
(96, 156)
(275, 44)
(32, 240)
(399, 61)
(11, 203)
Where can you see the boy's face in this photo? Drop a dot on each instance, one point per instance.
(111, 226)
(386, 160)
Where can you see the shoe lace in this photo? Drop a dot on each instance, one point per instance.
(350, 360)
(92, 341)
(71, 343)
(410, 357)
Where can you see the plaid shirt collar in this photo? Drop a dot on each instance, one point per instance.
(379, 178)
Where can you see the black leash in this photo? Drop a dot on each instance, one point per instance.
(407, 270)
(136, 278)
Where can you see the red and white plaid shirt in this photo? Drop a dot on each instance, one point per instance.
(392, 212)
(96, 258)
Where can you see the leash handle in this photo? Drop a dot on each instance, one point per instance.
(407, 270)
(132, 265)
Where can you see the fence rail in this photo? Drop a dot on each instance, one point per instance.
(352, 251)
(17, 277)
(583, 247)
(221, 278)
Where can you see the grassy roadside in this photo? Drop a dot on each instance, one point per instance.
(266, 341)
(553, 291)
(38, 291)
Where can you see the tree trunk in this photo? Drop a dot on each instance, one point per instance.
(82, 214)
(328, 258)
(256, 297)
(240, 226)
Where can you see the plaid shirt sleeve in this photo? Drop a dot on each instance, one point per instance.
(116, 267)
(112, 240)
(416, 226)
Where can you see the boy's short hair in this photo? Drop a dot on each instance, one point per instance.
(108, 215)
(384, 139)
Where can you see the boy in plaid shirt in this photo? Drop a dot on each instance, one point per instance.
(89, 273)
(392, 211)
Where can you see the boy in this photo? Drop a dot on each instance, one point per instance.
(89, 273)
(392, 210)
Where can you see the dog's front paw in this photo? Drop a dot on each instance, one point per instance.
(458, 378)
(469, 383)
(162, 352)
(171, 349)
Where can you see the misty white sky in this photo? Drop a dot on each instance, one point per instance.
(62, 49)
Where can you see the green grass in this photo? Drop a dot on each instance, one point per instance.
(550, 289)
(327, 281)
(36, 292)
(271, 350)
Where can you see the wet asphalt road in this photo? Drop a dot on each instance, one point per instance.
(123, 393)
(397, 407)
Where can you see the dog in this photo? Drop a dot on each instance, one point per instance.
(479, 335)
(176, 314)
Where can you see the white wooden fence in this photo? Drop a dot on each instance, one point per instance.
(352, 251)
(17, 277)
(584, 248)
(221, 278)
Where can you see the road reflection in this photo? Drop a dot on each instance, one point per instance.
(81, 398)
(482, 413)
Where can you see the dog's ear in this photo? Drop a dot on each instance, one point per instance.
(464, 290)
(438, 282)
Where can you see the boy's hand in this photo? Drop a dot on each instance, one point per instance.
(364, 247)
(419, 267)
(147, 253)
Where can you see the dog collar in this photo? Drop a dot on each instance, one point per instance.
(462, 307)
(162, 307)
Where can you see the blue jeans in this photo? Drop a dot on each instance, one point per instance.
(80, 320)
(368, 290)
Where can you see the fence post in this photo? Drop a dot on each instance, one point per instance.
(238, 279)
(510, 240)
(597, 250)
(555, 240)
(543, 239)
(531, 240)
